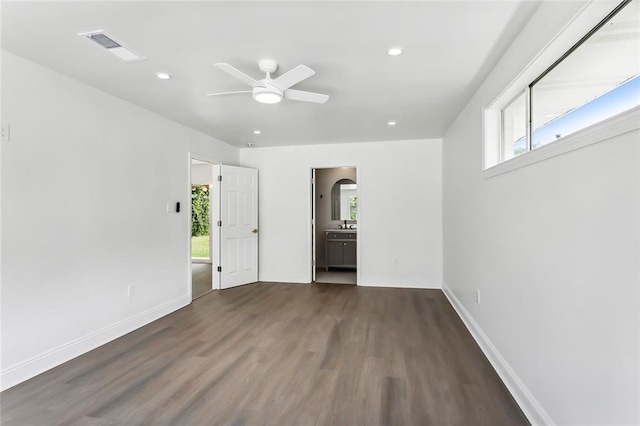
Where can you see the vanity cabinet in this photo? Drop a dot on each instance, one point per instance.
(341, 249)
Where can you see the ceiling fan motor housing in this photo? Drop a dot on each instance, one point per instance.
(268, 65)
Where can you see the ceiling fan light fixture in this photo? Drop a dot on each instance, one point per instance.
(267, 95)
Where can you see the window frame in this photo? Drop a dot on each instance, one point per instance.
(503, 145)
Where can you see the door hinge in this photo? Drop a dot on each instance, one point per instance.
(220, 178)
(219, 223)
(219, 268)
(314, 263)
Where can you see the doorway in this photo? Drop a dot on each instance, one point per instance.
(203, 250)
(334, 225)
(223, 242)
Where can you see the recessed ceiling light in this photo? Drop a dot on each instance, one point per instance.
(163, 76)
(256, 132)
(394, 51)
(391, 123)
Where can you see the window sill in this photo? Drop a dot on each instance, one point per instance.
(620, 124)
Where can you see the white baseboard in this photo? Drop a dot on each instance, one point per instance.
(396, 284)
(290, 279)
(38, 364)
(523, 397)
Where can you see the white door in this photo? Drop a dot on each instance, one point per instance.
(239, 226)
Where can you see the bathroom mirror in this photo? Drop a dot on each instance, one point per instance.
(344, 200)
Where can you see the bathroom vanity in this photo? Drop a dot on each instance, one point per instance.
(341, 248)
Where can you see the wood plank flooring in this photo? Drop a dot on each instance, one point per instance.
(279, 354)
(201, 279)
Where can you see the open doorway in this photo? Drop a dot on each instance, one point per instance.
(202, 247)
(335, 219)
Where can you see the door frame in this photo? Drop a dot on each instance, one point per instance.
(311, 229)
(214, 216)
(314, 243)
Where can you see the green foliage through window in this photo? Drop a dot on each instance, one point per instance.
(199, 210)
(353, 208)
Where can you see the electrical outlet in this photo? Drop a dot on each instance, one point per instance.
(5, 131)
(478, 296)
(131, 290)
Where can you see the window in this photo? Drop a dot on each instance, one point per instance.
(353, 207)
(596, 79)
(514, 127)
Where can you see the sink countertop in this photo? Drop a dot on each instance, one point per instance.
(341, 230)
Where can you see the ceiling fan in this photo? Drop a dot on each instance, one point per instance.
(272, 91)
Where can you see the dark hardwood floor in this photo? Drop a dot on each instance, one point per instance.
(201, 279)
(279, 354)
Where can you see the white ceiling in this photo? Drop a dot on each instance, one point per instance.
(449, 47)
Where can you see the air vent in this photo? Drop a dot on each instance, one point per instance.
(104, 41)
(112, 46)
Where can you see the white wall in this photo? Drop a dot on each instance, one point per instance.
(202, 174)
(553, 248)
(85, 182)
(399, 231)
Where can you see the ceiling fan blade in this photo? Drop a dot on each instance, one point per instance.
(300, 95)
(229, 93)
(292, 77)
(236, 73)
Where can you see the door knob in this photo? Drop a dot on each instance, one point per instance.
(255, 231)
